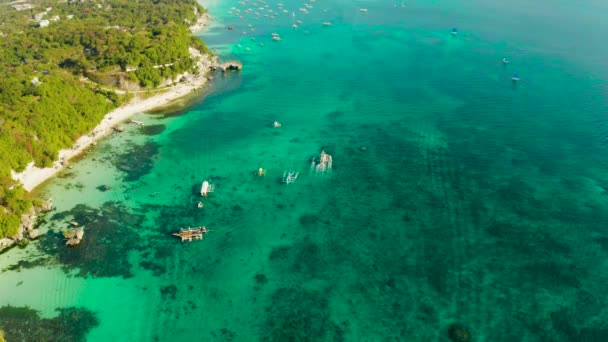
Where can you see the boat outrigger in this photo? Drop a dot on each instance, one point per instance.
(290, 176)
(189, 234)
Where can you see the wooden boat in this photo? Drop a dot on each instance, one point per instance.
(189, 234)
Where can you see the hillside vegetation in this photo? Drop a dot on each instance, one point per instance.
(59, 61)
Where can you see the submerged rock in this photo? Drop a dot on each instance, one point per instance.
(103, 188)
(459, 333)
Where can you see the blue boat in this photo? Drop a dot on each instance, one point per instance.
(454, 31)
(515, 77)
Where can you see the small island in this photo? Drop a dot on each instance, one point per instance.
(73, 236)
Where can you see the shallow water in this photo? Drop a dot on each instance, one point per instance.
(474, 200)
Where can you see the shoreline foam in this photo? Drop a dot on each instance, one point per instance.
(33, 176)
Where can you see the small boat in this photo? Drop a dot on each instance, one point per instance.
(294, 26)
(189, 234)
(505, 61)
(515, 77)
(200, 204)
(276, 124)
(327, 23)
(276, 39)
(363, 9)
(290, 176)
(206, 188)
(261, 172)
(275, 34)
(454, 31)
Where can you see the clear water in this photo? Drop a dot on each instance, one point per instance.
(456, 195)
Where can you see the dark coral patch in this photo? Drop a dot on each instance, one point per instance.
(137, 161)
(153, 129)
(299, 315)
(168, 292)
(25, 324)
(110, 235)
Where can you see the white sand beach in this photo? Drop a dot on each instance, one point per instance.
(33, 176)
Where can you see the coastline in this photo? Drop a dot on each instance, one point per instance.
(33, 176)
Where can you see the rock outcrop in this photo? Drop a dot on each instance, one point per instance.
(33, 234)
(27, 228)
(28, 221)
(47, 206)
(73, 236)
(5, 243)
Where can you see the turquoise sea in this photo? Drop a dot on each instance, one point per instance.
(461, 206)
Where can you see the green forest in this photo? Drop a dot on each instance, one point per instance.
(60, 60)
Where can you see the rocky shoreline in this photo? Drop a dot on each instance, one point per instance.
(27, 229)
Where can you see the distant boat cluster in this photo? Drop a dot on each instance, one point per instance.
(319, 164)
(255, 10)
